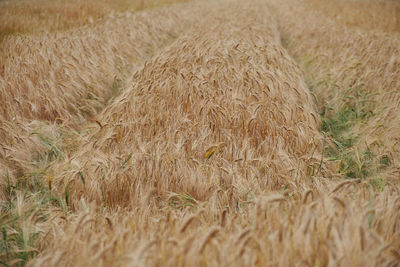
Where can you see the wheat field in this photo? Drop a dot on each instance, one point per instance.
(200, 133)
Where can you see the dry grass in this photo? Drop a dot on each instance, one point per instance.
(377, 15)
(188, 135)
(354, 78)
(25, 16)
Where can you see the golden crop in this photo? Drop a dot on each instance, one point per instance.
(206, 133)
